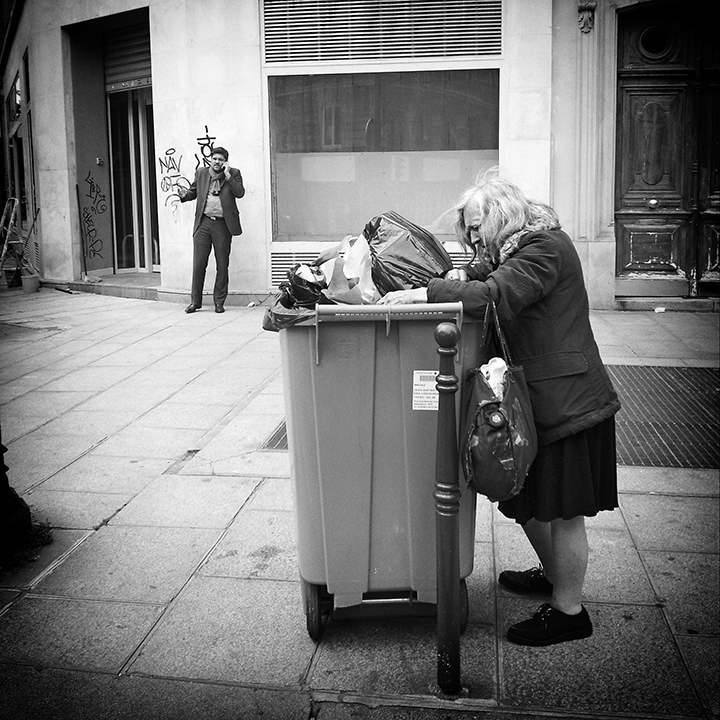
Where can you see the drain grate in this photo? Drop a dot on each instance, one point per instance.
(278, 440)
(669, 417)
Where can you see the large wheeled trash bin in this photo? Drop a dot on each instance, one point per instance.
(361, 414)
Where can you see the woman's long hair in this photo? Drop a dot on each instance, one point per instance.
(506, 215)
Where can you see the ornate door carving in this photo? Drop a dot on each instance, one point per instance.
(667, 190)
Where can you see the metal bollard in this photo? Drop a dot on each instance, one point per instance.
(447, 506)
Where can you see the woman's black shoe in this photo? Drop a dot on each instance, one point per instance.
(549, 626)
(526, 581)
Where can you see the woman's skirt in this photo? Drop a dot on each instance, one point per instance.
(576, 475)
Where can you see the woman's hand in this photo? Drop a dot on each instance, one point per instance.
(404, 297)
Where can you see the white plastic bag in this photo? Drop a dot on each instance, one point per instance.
(348, 268)
(494, 372)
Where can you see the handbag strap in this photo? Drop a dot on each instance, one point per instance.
(491, 309)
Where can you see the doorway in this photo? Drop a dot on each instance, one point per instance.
(667, 185)
(134, 190)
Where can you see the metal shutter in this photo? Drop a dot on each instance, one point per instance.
(127, 58)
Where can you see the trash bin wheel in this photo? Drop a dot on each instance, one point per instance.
(317, 604)
(464, 606)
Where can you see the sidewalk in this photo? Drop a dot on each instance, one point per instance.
(171, 588)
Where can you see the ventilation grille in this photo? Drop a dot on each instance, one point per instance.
(334, 30)
(281, 262)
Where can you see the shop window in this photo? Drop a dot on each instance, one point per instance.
(26, 75)
(13, 102)
(348, 147)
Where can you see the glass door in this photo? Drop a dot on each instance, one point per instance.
(134, 188)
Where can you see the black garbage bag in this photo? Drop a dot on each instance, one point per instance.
(283, 313)
(404, 255)
(304, 285)
(296, 299)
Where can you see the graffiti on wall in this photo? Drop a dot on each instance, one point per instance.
(97, 205)
(206, 144)
(171, 174)
(171, 177)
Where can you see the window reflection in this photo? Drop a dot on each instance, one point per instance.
(347, 147)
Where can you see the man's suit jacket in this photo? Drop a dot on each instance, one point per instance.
(232, 188)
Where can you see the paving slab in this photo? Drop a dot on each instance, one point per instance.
(186, 416)
(235, 449)
(125, 397)
(669, 481)
(703, 659)
(28, 574)
(258, 544)
(16, 424)
(109, 474)
(673, 523)
(484, 514)
(615, 572)
(27, 381)
(345, 709)
(630, 664)
(231, 630)
(81, 634)
(118, 354)
(398, 657)
(221, 630)
(481, 585)
(35, 457)
(687, 585)
(93, 379)
(82, 422)
(7, 597)
(48, 403)
(187, 501)
(273, 494)
(79, 510)
(213, 387)
(159, 442)
(31, 693)
(131, 564)
(153, 378)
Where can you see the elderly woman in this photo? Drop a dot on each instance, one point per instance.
(531, 269)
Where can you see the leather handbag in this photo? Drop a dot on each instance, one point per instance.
(500, 440)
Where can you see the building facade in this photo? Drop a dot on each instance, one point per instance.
(337, 111)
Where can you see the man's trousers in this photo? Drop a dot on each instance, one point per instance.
(211, 234)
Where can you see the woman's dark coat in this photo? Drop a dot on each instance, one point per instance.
(543, 310)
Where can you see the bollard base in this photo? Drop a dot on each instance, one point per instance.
(438, 693)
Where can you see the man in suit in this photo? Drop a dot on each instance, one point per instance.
(216, 221)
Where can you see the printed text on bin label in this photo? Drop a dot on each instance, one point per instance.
(425, 394)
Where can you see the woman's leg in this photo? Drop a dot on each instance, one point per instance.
(539, 535)
(562, 547)
(569, 563)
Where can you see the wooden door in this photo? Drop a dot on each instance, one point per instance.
(667, 189)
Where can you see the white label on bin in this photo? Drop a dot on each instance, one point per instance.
(425, 395)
